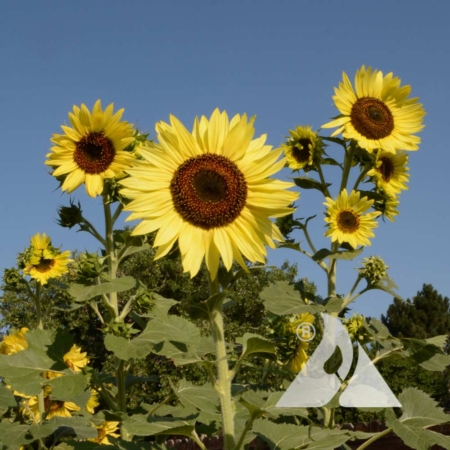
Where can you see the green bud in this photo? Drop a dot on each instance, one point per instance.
(70, 216)
(12, 277)
(373, 270)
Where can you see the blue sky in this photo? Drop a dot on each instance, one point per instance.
(277, 59)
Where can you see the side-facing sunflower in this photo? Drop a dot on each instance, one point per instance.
(347, 221)
(209, 190)
(300, 147)
(105, 429)
(43, 261)
(377, 113)
(92, 150)
(14, 342)
(390, 172)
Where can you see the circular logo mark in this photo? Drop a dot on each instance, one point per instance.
(306, 331)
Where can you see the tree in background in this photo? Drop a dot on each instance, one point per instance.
(427, 315)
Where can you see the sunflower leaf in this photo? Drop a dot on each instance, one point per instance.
(310, 183)
(83, 293)
(255, 345)
(203, 398)
(345, 255)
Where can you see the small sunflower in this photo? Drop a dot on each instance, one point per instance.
(346, 220)
(378, 113)
(44, 261)
(93, 150)
(52, 407)
(106, 429)
(390, 172)
(14, 342)
(76, 359)
(390, 209)
(300, 147)
(92, 402)
(209, 190)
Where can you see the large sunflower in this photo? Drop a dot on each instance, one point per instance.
(14, 342)
(346, 220)
(378, 112)
(44, 261)
(390, 172)
(209, 190)
(92, 150)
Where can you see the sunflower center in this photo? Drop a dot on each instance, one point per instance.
(348, 221)
(372, 118)
(208, 191)
(94, 153)
(45, 265)
(386, 169)
(56, 405)
(301, 155)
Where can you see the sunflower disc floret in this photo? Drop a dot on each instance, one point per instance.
(209, 190)
(377, 112)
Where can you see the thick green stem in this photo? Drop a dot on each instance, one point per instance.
(37, 299)
(110, 251)
(360, 177)
(223, 383)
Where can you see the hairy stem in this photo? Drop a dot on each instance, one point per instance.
(223, 383)
(374, 438)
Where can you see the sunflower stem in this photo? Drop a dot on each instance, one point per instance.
(322, 179)
(223, 383)
(37, 299)
(117, 213)
(360, 177)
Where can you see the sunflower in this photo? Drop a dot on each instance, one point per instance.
(14, 342)
(390, 172)
(346, 220)
(299, 357)
(53, 407)
(44, 261)
(92, 402)
(92, 150)
(76, 359)
(210, 191)
(356, 329)
(378, 112)
(106, 429)
(389, 208)
(300, 147)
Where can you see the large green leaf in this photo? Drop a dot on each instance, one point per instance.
(203, 397)
(13, 435)
(67, 387)
(436, 363)
(203, 310)
(415, 437)
(7, 398)
(83, 293)
(142, 425)
(255, 345)
(45, 352)
(276, 411)
(420, 410)
(281, 299)
(161, 306)
(287, 437)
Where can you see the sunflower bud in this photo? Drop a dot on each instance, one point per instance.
(12, 277)
(70, 216)
(89, 267)
(373, 270)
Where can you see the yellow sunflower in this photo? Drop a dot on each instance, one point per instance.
(378, 112)
(44, 261)
(106, 429)
(52, 407)
(93, 402)
(209, 190)
(346, 220)
(76, 359)
(299, 358)
(14, 342)
(299, 149)
(390, 172)
(390, 207)
(92, 150)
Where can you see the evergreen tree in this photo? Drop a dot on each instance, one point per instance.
(427, 315)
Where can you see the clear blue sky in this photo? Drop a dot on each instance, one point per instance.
(277, 59)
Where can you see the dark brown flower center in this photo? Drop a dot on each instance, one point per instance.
(301, 154)
(208, 191)
(348, 221)
(372, 118)
(386, 169)
(45, 265)
(94, 153)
